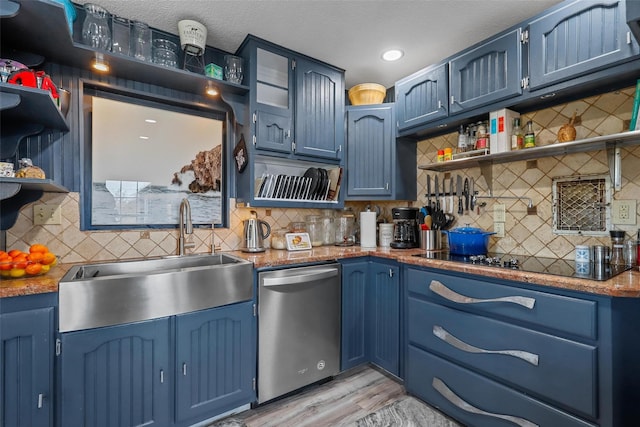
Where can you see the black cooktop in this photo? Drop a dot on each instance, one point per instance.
(554, 266)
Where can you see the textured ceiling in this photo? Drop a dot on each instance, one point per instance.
(350, 34)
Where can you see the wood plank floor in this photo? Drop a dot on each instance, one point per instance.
(349, 397)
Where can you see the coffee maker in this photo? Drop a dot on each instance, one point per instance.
(405, 228)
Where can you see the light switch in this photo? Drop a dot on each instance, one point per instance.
(44, 214)
(499, 213)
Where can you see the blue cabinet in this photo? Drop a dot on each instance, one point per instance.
(297, 103)
(118, 375)
(383, 305)
(354, 323)
(487, 73)
(215, 361)
(422, 97)
(371, 314)
(375, 157)
(26, 367)
(577, 38)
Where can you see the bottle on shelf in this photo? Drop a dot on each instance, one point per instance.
(462, 140)
(517, 138)
(448, 154)
(529, 136)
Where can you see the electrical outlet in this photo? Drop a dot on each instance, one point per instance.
(499, 213)
(498, 228)
(46, 214)
(623, 212)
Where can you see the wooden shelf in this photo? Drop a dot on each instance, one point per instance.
(51, 38)
(558, 149)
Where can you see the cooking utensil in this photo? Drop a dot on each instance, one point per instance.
(451, 196)
(437, 194)
(429, 191)
(472, 194)
(459, 194)
(466, 194)
(468, 241)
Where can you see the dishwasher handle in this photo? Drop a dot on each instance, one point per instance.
(318, 274)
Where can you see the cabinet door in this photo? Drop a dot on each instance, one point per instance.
(319, 123)
(370, 150)
(487, 73)
(26, 368)
(422, 97)
(116, 376)
(354, 325)
(384, 316)
(576, 39)
(273, 115)
(215, 361)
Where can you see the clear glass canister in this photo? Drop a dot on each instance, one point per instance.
(328, 228)
(617, 247)
(278, 238)
(315, 229)
(630, 253)
(95, 28)
(345, 228)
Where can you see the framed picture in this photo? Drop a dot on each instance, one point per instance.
(298, 241)
(146, 158)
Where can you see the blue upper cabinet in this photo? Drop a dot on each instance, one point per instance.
(578, 38)
(370, 153)
(296, 103)
(487, 73)
(422, 97)
(319, 110)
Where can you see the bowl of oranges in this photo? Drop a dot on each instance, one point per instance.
(18, 264)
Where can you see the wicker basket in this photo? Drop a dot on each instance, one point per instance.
(367, 93)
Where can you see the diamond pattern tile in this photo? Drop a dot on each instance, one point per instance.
(525, 234)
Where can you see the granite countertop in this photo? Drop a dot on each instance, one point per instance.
(626, 284)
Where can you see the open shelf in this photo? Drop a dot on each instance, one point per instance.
(48, 35)
(558, 149)
(33, 105)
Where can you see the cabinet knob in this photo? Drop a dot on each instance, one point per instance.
(184, 369)
(40, 401)
(161, 376)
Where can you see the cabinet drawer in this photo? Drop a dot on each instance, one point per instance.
(566, 314)
(432, 378)
(559, 369)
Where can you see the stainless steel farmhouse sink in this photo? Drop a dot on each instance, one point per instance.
(113, 293)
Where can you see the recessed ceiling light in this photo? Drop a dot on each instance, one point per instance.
(211, 89)
(150, 120)
(392, 55)
(143, 137)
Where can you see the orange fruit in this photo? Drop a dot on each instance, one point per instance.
(33, 269)
(20, 261)
(48, 258)
(37, 247)
(35, 256)
(15, 252)
(5, 266)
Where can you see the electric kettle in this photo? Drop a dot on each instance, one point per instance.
(255, 231)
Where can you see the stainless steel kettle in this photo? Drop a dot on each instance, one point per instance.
(255, 231)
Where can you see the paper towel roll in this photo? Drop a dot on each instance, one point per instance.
(368, 229)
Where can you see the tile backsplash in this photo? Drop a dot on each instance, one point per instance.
(524, 234)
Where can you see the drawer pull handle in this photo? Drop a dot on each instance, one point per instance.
(447, 293)
(446, 392)
(445, 336)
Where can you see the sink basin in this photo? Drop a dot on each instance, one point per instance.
(112, 293)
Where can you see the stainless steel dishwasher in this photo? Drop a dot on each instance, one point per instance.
(299, 328)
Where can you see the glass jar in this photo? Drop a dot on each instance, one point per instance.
(233, 71)
(630, 253)
(95, 28)
(297, 227)
(617, 247)
(165, 53)
(345, 228)
(140, 41)
(278, 238)
(315, 228)
(328, 228)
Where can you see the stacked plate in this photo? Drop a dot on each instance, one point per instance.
(313, 185)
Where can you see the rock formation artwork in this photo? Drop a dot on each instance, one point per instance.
(207, 171)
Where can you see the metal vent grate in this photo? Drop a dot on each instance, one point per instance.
(580, 205)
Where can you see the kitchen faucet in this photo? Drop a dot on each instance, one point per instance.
(186, 226)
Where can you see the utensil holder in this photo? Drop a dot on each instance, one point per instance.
(431, 240)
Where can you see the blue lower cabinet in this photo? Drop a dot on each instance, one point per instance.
(354, 283)
(371, 314)
(215, 361)
(116, 376)
(26, 367)
(476, 400)
(384, 316)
